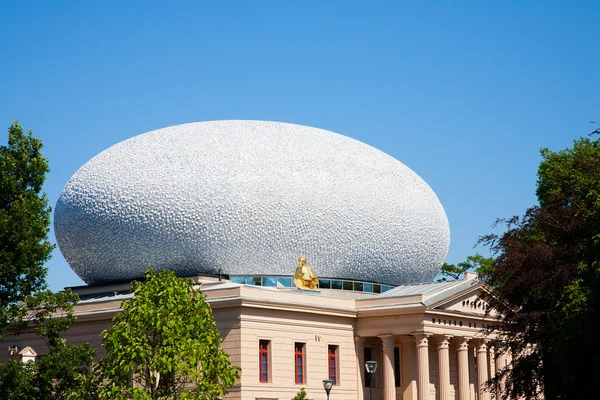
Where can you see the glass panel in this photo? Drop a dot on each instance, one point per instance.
(269, 281)
(336, 285)
(385, 288)
(249, 280)
(238, 279)
(358, 286)
(368, 287)
(376, 288)
(324, 284)
(347, 285)
(284, 282)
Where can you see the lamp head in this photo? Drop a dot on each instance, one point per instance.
(327, 385)
(371, 366)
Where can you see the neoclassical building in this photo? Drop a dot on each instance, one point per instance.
(233, 204)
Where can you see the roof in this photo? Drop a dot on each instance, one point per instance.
(431, 292)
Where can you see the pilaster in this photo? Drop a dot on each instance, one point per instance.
(359, 345)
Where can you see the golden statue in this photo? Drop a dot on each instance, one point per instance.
(305, 278)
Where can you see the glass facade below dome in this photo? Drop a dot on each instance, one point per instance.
(324, 283)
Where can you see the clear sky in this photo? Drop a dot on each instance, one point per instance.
(465, 93)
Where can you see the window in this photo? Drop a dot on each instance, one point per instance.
(397, 367)
(332, 363)
(263, 360)
(368, 357)
(299, 360)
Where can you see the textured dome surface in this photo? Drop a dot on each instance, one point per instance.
(249, 197)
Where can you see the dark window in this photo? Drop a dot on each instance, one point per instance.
(263, 360)
(336, 285)
(347, 285)
(397, 366)
(376, 288)
(299, 362)
(358, 286)
(332, 362)
(324, 284)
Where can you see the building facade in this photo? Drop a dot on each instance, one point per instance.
(427, 339)
(243, 199)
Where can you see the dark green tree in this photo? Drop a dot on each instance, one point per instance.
(546, 278)
(163, 341)
(25, 301)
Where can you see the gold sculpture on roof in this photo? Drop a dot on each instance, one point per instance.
(305, 278)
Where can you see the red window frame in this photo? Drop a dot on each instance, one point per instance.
(299, 360)
(263, 360)
(332, 365)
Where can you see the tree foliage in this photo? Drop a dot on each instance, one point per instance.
(479, 264)
(547, 279)
(301, 395)
(24, 223)
(25, 301)
(165, 344)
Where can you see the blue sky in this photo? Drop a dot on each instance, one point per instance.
(464, 93)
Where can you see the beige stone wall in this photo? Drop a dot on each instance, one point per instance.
(283, 329)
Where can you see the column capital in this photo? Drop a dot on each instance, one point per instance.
(387, 340)
(481, 344)
(422, 338)
(443, 341)
(463, 343)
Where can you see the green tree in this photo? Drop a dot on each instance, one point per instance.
(25, 301)
(24, 224)
(546, 277)
(301, 395)
(477, 263)
(165, 344)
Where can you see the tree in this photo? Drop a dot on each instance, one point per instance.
(25, 301)
(546, 278)
(24, 223)
(477, 263)
(301, 395)
(165, 344)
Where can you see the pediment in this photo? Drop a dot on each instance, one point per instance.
(28, 352)
(470, 301)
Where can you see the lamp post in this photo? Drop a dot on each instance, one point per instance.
(327, 385)
(371, 367)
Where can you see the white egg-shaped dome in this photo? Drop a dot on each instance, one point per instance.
(249, 198)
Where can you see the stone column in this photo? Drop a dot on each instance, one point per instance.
(482, 369)
(492, 363)
(501, 364)
(359, 345)
(389, 384)
(463, 368)
(422, 366)
(443, 347)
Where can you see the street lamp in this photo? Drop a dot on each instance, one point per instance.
(371, 367)
(327, 385)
